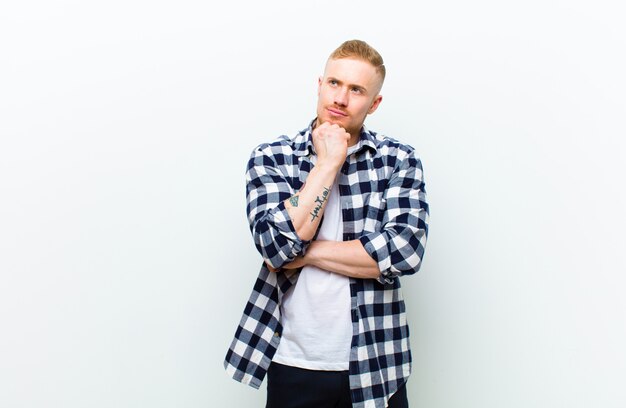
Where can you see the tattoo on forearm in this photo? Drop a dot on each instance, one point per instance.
(294, 200)
(320, 202)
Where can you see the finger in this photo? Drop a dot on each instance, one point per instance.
(271, 269)
(323, 126)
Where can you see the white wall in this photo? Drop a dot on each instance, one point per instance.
(125, 128)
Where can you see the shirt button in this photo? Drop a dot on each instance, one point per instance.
(276, 334)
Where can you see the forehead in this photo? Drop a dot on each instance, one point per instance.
(352, 71)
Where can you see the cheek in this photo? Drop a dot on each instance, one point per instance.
(322, 96)
(363, 109)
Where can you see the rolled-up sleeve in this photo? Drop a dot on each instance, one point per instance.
(398, 247)
(267, 188)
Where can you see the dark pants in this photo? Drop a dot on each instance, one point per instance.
(293, 387)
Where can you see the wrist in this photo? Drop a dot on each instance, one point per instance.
(309, 255)
(326, 165)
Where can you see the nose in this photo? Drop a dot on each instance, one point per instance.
(341, 97)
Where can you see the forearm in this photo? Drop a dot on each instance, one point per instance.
(307, 206)
(347, 258)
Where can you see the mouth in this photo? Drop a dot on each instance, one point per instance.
(336, 112)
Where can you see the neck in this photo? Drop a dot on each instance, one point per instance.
(354, 139)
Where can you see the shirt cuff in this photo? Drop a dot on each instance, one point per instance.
(375, 245)
(284, 225)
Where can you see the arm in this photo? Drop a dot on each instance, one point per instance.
(396, 249)
(283, 221)
(267, 187)
(307, 206)
(347, 258)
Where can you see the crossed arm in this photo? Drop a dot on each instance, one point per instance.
(347, 258)
(283, 223)
(306, 208)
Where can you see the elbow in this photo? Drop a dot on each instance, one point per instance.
(276, 247)
(405, 266)
(275, 237)
(404, 257)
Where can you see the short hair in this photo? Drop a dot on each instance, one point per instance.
(360, 50)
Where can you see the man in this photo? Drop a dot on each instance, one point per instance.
(338, 214)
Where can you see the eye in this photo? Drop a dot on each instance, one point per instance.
(332, 81)
(356, 90)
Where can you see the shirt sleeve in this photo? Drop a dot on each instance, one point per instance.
(266, 190)
(398, 247)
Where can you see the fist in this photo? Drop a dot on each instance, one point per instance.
(331, 144)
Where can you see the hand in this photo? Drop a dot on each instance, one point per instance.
(271, 269)
(295, 264)
(331, 144)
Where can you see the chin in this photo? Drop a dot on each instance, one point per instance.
(335, 121)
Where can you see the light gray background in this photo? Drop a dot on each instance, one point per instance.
(125, 128)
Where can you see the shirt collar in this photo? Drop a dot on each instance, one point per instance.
(304, 142)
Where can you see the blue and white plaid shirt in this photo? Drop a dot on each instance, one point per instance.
(383, 204)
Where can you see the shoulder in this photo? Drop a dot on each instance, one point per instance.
(392, 149)
(282, 146)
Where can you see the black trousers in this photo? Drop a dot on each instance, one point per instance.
(293, 387)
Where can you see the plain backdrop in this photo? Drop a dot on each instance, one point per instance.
(125, 255)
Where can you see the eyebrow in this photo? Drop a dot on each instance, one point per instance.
(350, 85)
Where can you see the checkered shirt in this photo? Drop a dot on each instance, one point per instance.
(383, 203)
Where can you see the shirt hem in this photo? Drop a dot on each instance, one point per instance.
(312, 365)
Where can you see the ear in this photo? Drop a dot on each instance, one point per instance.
(319, 85)
(375, 104)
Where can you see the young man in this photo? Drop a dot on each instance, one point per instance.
(338, 213)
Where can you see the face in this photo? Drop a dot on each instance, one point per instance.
(347, 93)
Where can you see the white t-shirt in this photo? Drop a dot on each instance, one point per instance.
(317, 327)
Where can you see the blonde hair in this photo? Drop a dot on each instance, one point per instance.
(360, 50)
